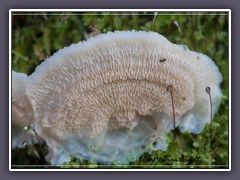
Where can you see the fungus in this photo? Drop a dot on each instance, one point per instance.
(22, 112)
(105, 99)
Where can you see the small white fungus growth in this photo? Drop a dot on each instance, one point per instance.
(105, 99)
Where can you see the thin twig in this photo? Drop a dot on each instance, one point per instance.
(208, 90)
(215, 35)
(193, 32)
(112, 22)
(153, 21)
(169, 89)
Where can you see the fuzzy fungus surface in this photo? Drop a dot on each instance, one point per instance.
(106, 98)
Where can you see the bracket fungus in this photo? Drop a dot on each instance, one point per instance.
(106, 98)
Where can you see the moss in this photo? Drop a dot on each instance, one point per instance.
(35, 37)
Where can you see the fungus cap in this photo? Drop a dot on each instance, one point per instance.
(105, 98)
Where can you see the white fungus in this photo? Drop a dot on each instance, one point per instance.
(106, 98)
(22, 112)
